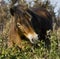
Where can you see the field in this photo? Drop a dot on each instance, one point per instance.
(38, 51)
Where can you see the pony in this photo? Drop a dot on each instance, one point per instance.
(33, 23)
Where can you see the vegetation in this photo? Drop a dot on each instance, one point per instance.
(29, 51)
(32, 51)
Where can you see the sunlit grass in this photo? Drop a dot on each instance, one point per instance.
(33, 51)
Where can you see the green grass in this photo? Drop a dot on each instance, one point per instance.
(32, 51)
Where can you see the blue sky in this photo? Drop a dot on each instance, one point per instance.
(57, 3)
(53, 2)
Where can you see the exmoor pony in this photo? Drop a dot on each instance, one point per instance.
(33, 23)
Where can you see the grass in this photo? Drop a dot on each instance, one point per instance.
(32, 51)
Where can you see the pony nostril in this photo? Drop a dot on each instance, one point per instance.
(32, 40)
(35, 41)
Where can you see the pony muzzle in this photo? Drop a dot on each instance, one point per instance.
(33, 38)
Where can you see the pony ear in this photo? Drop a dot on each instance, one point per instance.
(12, 11)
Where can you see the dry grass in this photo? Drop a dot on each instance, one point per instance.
(58, 33)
